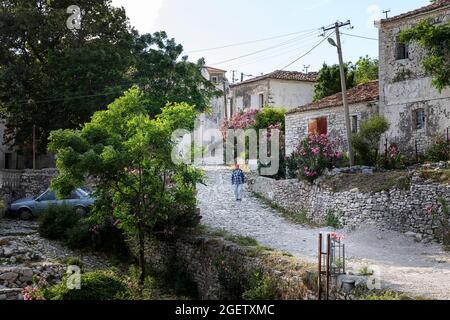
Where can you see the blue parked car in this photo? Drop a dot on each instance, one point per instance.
(28, 208)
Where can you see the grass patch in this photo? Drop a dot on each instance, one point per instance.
(365, 271)
(376, 182)
(332, 220)
(440, 176)
(297, 218)
(390, 295)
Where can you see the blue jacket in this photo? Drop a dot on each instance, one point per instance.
(237, 177)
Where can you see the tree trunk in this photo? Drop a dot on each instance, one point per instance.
(141, 250)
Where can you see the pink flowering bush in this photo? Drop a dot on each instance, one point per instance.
(393, 158)
(315, 154)
(440, 217)
(243, 120)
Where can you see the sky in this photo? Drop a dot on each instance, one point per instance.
(293, 27)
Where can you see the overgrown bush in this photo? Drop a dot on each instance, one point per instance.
(440, 151)
(332, 220)
(393, 159)
(268, 117)
(313, 156)
(441, 221)
(56, 220)
(366, 143)
(261, 287)
(98, 285)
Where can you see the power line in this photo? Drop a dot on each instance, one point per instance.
(357, 36)
(250, 42)
(309, 51)
(262, 50)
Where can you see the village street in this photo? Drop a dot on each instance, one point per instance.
(401, 263)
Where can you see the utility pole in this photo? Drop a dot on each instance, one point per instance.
(225, 98)
(386, 12)
(306, 68)
(338, 45)
(233, 80)
(34, 147)
(245, 75)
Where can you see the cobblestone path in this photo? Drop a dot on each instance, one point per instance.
(402, 263)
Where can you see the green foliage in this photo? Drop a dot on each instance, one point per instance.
(365, 271)
(329, 80)
(439, 151)
(74, 261)
(98, 285)
(435, 39)
(332, 220)
(261, 287)
(53, 77)
(128, 155)
(56, 220)
(270, 117)
(366, 142)
(366, 70)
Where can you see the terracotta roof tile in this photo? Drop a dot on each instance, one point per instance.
(363, 93)
(284, 75)
(436, 5)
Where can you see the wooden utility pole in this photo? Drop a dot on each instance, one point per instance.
(34, 147)
(225, 99)
(337, 27)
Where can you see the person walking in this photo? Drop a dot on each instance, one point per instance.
(238, 180)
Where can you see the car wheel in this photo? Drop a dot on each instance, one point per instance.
(25, 214)
(81, 211)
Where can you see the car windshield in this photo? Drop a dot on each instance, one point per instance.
(83, 193)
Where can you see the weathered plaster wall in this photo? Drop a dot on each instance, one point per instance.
(398, 210)
(291, 94)
(405, 88)
(297, 123)
(277, 93)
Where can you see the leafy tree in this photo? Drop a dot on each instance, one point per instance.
(128, 155)
(54, 78)
(366, 70)
(366, 143)
(329, 80)
(435, 39)
(270, 117)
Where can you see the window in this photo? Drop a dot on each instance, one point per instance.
(402, 50)
(354, 124)
(48, 196)
(419, 117)
(8, 161)
(261, 100)
(214, 79)
(318, 126)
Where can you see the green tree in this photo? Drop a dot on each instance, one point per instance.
(435, 39)
(329, 80)
(366, 70)
(366, 143)
(56, 78)
(128, 156)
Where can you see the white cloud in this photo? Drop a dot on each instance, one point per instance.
(143, 14)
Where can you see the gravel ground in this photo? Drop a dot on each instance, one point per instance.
(399, 262)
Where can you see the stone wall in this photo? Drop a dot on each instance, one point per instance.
(23, 184)
(398, 210)
(297, 123)
(405, 88)
(222, 270)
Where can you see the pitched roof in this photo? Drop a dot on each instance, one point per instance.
(211, 69)
(363, 93)
(434, 6)
(283, 75)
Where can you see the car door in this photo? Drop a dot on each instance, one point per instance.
(45, 200)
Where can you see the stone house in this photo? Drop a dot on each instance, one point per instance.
(416, 110)
(219, 79)
(326, 116)
(288, 89)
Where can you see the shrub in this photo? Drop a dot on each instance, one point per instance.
(440, 151)
(366, 143)
(270, 117)
(261, 287)
(332, 220)
(56, 220)
(315, 154)
(393, 159)
(98, 285)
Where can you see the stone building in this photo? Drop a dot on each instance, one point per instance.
(416, 110)
(288, 89)
(219, 79)
(326, 116)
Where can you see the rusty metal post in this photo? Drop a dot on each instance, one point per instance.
(328, 265)
(319, 277)
(343, 258)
